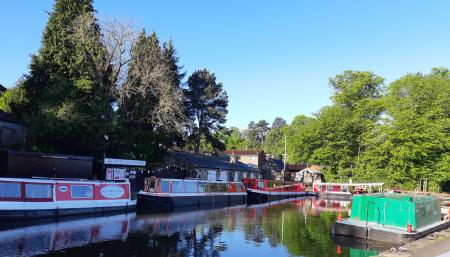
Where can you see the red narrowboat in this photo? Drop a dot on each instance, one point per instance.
(167, 194)
(261, 190)
(31, 198)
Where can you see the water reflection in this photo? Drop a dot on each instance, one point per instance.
(299, 227)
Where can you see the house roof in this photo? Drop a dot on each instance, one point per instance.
(206, 161)
(315, 167)
(243, 152)
(295, 167)
(277, 163)
(2, 88)
(308, 170)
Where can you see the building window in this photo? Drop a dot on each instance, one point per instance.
(38, 191)
(10, 190)
(82, 191)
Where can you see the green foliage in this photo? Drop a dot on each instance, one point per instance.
(397, 134)
(60, 101)
(12, 99)
(255, 134)
(206, 106)
(233, 138)
(274, 141)
(413, 141)
(66, 101)
(150, 101)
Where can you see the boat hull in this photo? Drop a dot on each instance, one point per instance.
(43, 212)
(334, 196)
(259, 196)
(151, 202)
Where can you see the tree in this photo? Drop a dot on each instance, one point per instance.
(261, 129)
(341, 127)
(206, 105)
(274, 141)
(150, 101)
(302, 139)
(278, 123)
(234, 139)
(255, 134)
(413, 141)
(61, 100)
(171, 59)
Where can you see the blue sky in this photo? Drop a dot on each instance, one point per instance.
(273, 57)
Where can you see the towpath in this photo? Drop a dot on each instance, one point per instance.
(434, 245)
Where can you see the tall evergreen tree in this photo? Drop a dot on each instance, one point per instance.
(171, 58)
(64, 101)
(206, 105)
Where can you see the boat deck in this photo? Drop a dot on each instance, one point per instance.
(377, 232)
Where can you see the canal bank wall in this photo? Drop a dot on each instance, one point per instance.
(436, 244)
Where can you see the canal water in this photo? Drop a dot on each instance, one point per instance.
(298, 227)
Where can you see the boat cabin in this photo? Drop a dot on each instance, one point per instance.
(163, 185)
(52, 190)
(347, 188)
(273, 185)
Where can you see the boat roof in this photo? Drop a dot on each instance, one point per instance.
(348, 184)
(197, 180)
(55, 180)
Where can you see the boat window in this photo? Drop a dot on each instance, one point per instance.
(149, 184)
(222, 187)
(82, 191)
(165, 186)
(38, 191)
(232, 187)
(177, 187)
(202, 187)
(250, 183)
(260, 184)
(213, 187)
(10, 190)
(191, 186)
(240, 187)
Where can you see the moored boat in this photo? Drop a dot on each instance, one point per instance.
(32, 198)
(344, 191)
(261, 190)
(161, 193)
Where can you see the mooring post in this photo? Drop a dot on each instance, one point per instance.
(367, 218)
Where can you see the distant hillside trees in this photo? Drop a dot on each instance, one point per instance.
(397, 133)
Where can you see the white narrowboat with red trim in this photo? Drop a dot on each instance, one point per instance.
(345, 191)
(168, 194)
(30, 198)
(262, 190)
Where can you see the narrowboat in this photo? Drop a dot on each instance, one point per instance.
(344, 191)
(44, 197)
(261, 190)
(167, 194)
